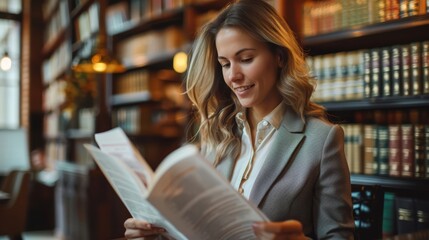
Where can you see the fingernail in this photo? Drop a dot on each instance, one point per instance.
(257, 225)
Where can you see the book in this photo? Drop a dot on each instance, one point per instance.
(396, 71)
(357, 144)
(382, 148)
(386, 72)
(185, 195)
(419, 151)
(367, 73)
(422, 214)
(405, 215)
(416, 68)
(407, 150)
(388, 224)
(427, 151)
(425, 66)
(406, 70)
(370, 165)
(395, 150)
(375, 72)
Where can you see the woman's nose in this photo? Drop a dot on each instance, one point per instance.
(235, 73)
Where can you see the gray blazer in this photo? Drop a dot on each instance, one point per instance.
(306, 178)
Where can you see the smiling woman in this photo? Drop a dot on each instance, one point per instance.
(250, 69)
(250, 84)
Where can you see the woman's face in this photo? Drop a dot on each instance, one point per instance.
(249, 68)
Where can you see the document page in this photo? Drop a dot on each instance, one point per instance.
(130, 189)
(199, 201)
(116, 143)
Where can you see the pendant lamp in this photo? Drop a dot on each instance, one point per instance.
(100, 60)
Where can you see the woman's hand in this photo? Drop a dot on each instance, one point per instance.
(290, 230)
(135, 228)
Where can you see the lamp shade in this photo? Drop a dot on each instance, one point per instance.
(99, 62)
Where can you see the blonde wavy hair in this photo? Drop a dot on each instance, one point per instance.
(216, 104)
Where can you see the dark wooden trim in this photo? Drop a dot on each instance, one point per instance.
(11, 16)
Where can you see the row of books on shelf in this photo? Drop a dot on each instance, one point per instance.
(57, 123)
(381, 214)
(60, 151)
(87, 23)
(399, 70)
(148, 120)
(58, 21)
(141, 10)
(333, 15)
(54, 151)
(118, 17)
(339, 76)
(57, 63)
(124, 13)
(151, 46)
(404, 215)
(55, 95)
(131, 82)
(142, 85)
(400, 150)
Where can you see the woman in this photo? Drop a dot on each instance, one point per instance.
(248, 80)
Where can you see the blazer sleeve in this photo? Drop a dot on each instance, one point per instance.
(332, 204)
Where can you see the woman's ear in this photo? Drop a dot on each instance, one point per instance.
(281, 58)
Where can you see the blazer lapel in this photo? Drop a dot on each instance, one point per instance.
(226, 167)
(288, 139)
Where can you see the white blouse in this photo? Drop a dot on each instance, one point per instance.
(265, 134)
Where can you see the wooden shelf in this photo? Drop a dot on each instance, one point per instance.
(11, 16)
(389, 182)
(159, 61)
(80, 9)
(79, 134)
(204, 6)
(130, 98)
(168, 18)
(54, 43)
(399, 31)
(379, 103)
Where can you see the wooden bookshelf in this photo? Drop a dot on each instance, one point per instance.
(375, 110)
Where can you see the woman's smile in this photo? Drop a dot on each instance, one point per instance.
(242, 89)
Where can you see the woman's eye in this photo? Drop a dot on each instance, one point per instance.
(247, 60)
(224, 65)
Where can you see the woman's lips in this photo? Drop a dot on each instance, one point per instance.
(242, 89)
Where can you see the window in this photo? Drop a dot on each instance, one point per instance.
(10, 51)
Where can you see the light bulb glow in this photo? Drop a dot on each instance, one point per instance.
(180, 62)
(5, 63)
(99, 67)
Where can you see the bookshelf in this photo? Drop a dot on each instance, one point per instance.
(370, 59)
(147, 100)
(73, 111)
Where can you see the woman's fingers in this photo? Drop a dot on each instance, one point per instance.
(136, 224)
(290, 229)
(288, 226)
(135, 228)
